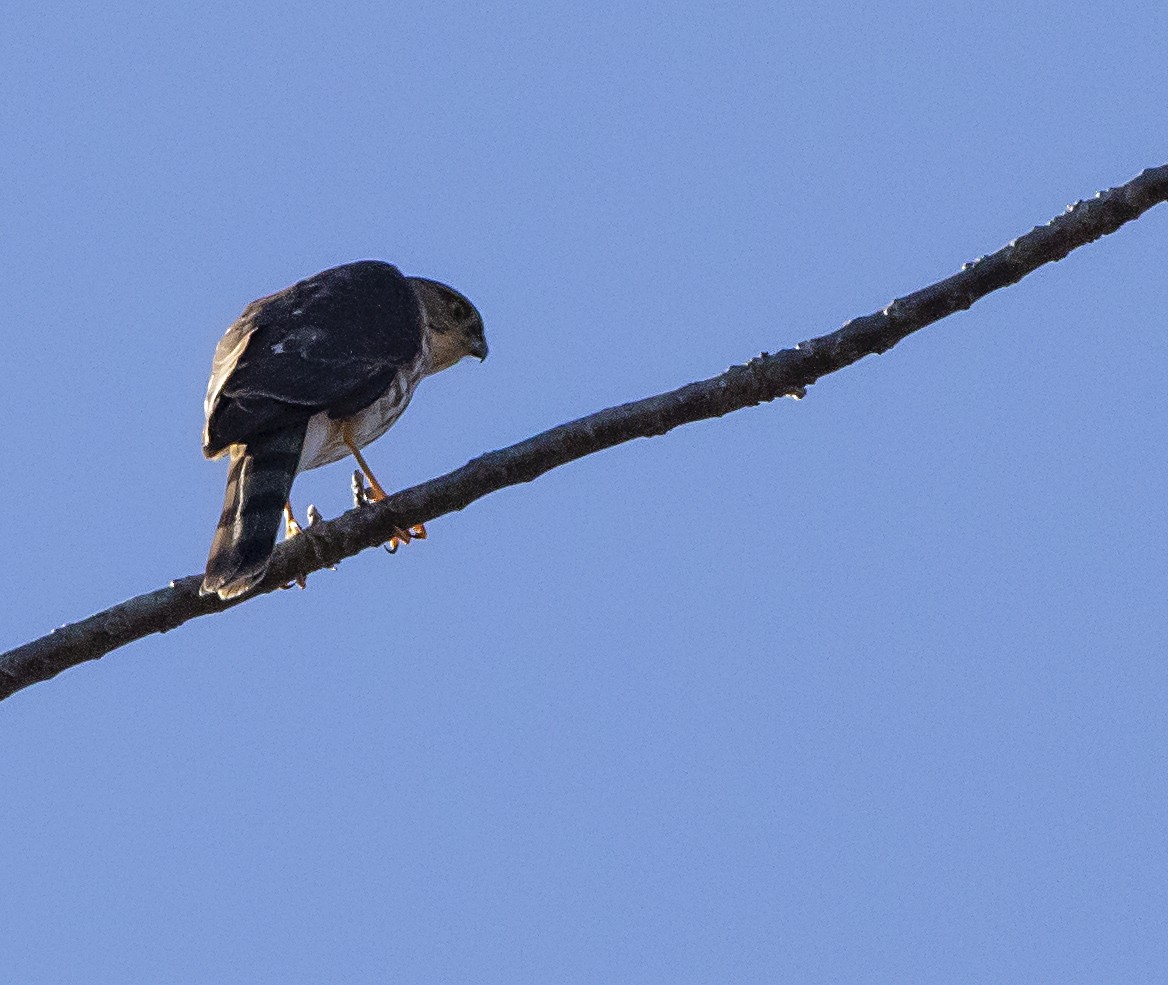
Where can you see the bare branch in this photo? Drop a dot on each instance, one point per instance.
(786, 373)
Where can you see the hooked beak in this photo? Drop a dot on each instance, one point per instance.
(480, 350)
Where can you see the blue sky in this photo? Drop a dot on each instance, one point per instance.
(868, 687)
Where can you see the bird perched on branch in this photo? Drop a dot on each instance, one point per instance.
(309, 375)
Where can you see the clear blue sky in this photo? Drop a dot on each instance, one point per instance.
(870, 687)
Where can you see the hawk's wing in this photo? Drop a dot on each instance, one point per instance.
(333, 342)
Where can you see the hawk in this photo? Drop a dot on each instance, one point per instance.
(309, 375)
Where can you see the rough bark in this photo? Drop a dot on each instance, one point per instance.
(763, 378)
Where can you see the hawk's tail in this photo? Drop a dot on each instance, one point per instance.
(258, 484)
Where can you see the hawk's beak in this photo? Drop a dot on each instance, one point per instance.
(480, 349)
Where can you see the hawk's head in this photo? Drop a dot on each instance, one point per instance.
(454, 327)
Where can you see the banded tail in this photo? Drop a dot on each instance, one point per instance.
(258, 483)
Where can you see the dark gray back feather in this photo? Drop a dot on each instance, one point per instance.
(332, 342)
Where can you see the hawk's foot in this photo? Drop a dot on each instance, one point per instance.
(364, 495)
(293, 529)
(416, 532)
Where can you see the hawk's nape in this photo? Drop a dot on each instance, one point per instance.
(259, 482)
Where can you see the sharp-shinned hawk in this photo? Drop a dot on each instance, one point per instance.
(309, 375)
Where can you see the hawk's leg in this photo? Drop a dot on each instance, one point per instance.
(377, 493)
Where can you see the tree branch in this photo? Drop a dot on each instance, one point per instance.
(786, 373)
